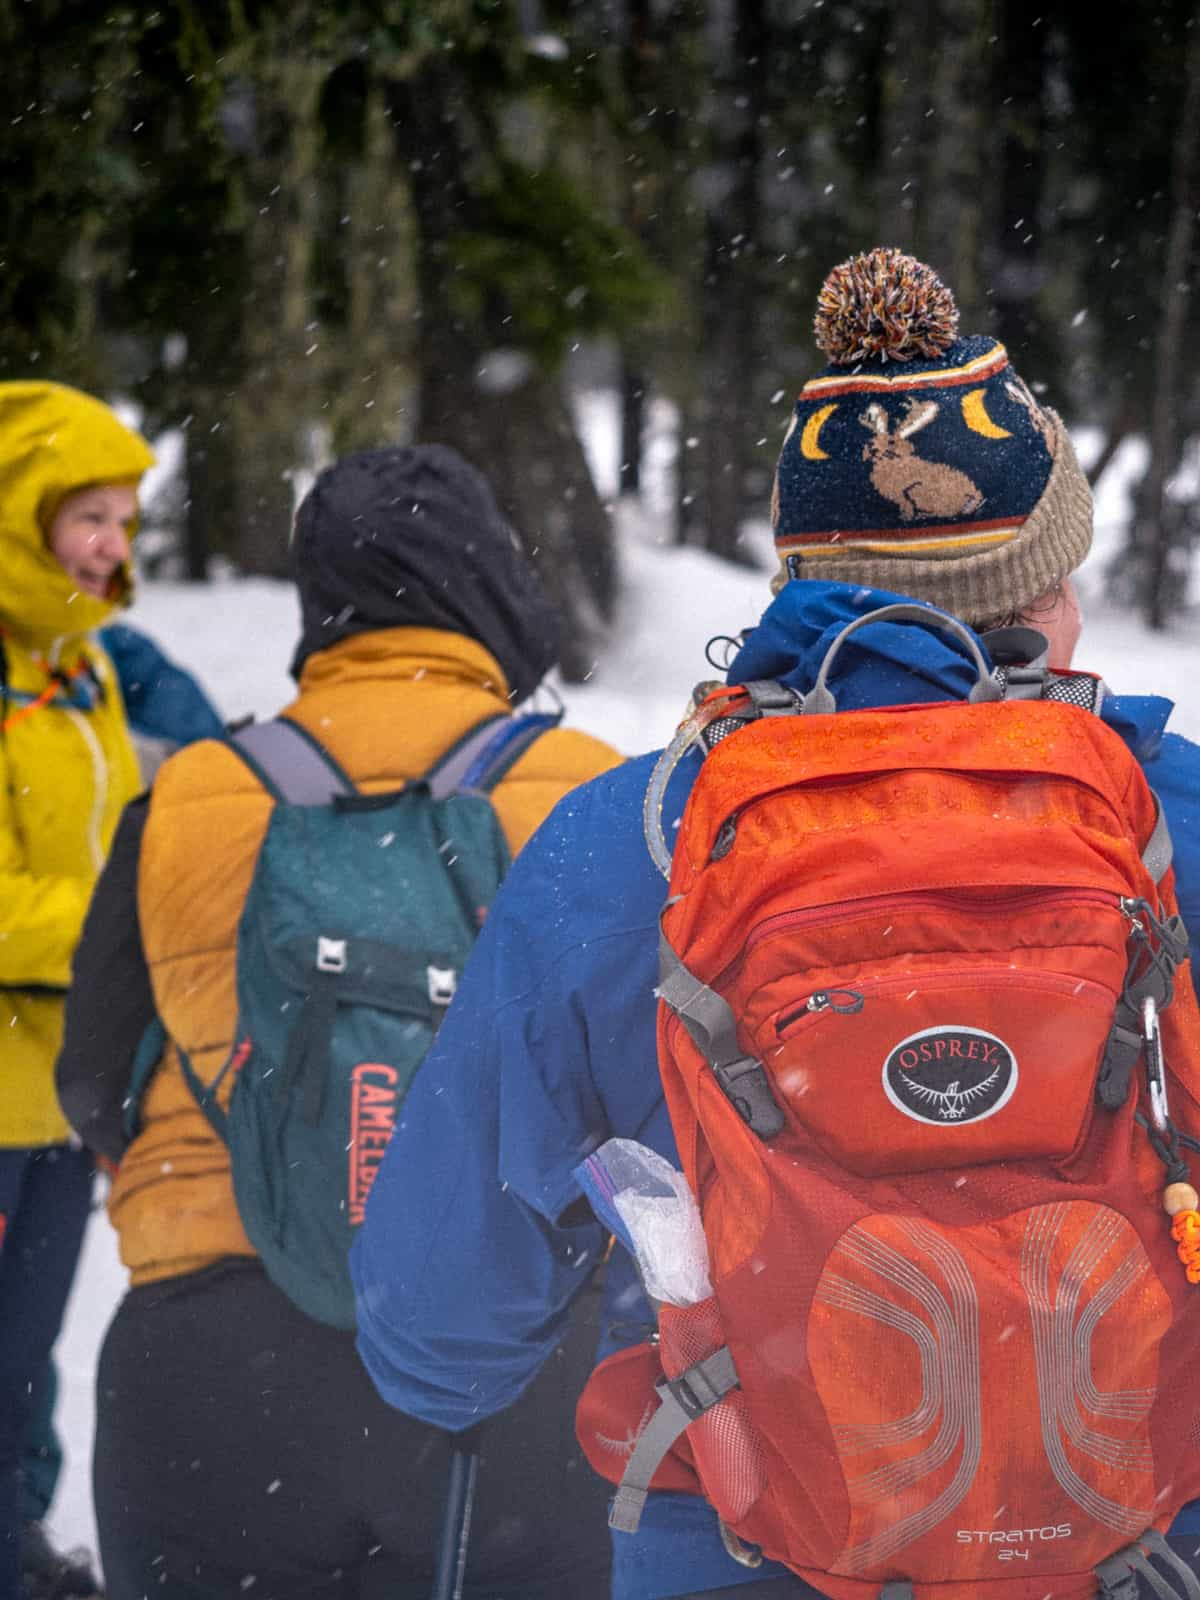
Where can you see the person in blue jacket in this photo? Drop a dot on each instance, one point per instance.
(476, 1239)
(165, 704)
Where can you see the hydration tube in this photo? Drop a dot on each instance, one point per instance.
(707, 711)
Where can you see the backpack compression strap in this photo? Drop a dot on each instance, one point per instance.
(1118, 1576)
(681, 1401)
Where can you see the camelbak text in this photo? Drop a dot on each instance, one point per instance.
(372, 1118)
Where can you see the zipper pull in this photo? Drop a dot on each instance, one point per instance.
(724, 841)
(850, 1003)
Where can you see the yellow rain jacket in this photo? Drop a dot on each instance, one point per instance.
(66, 763)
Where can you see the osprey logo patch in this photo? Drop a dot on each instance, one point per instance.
(950, 1075)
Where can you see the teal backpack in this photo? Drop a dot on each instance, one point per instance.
(360, 915)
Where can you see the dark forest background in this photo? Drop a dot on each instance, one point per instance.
(293, 229)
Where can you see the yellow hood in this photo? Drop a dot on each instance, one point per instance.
(53, 441)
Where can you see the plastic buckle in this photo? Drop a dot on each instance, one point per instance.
(745, 1084)
(442, 983)
(331, 955)
(1156, 1071)
(772, 699)
(1117, 1579)
(694, 1403)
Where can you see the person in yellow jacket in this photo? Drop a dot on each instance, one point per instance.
(69, 470)
(240, 1445)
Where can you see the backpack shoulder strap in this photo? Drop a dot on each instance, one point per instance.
(480, 759)
(290, 763)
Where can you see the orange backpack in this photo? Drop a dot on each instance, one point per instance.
(921, 969)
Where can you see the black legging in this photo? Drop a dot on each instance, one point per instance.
(237, 1440)
(44, 1200)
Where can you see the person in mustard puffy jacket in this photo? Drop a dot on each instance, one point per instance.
(69, 470)
(240, 1445)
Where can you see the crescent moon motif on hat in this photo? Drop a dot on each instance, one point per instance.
(976, 418)
(809, 446)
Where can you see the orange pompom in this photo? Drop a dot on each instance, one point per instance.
(884, 303)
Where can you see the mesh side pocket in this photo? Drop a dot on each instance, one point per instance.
(724, 1441)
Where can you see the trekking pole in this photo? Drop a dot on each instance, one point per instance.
(456, 1526)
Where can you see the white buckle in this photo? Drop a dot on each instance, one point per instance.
(442, 983)
(331, 954)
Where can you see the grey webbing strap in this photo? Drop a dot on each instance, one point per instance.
(707, 1017)
(1156, 857)
(898, 1589)
(1168, 1591)
(1119, 1575)
(1022, 657)
(445, 778)
(681, 1401)
(772, 699)
(712, 1026)
(1116, 1578)
(1158, 1546)
(291, 762)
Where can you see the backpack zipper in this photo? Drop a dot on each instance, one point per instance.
(1023, 899)
(847, 1002)
(879, 983)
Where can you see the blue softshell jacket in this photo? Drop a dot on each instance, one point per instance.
(162, 701)
(471, 1252)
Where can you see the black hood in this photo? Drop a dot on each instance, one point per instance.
(412, 537)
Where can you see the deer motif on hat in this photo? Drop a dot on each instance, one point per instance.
(918, 487)
(1019, 391)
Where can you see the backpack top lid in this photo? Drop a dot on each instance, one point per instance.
(1022, 674)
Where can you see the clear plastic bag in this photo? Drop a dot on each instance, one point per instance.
(651, 1209)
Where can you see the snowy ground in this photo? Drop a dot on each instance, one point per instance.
(237, 637)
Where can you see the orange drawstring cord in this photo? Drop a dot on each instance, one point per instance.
(57, 681)
(44, 698)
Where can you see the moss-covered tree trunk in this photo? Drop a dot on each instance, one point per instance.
(493, 403)
(729, 298)
(278, 401)
(1155, 530)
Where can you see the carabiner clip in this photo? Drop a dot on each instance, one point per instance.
(746, 1555)
(1156, 1072)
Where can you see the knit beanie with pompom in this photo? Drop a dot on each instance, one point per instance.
(918, 461)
